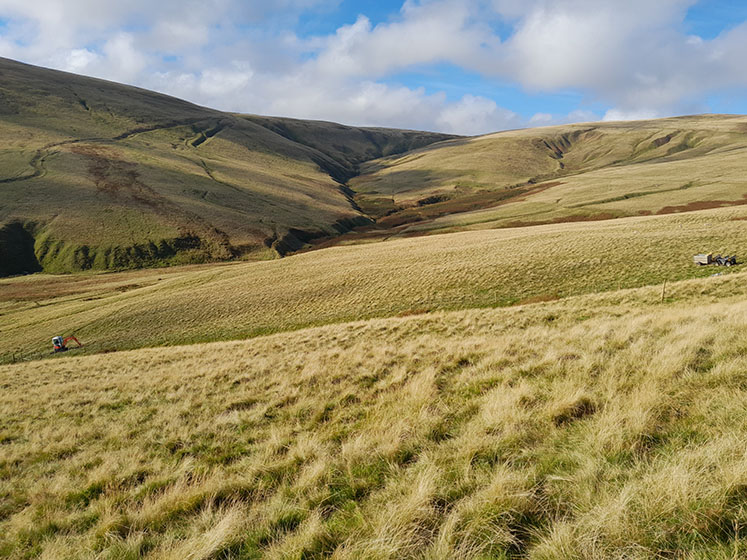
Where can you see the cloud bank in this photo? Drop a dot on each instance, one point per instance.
(635, 58)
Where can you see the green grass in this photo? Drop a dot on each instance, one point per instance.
(93, 169)
(401, 277)
(565, 173)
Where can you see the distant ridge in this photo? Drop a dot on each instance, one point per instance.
(577, 172)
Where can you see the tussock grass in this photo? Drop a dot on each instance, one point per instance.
(601, 426)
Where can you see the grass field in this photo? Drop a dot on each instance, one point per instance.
(443, 272)
(494, 369)
(599, 426)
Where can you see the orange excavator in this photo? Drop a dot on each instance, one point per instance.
(60, 344)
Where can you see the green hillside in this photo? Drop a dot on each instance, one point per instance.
(575, 172)
(97, 175)
(407, 276)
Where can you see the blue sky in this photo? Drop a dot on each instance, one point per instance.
(464, 66)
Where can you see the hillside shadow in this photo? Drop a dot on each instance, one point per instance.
(398, 182)
(17, 254)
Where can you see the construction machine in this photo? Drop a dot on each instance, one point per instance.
(60, 344)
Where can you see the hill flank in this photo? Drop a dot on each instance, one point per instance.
(577, 172)
(97, 175)
(407, 276)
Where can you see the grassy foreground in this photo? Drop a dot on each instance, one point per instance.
(445, 272)
(602, 426)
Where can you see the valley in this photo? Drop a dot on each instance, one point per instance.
(308, 340)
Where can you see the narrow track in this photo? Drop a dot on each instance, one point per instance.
(37, 161)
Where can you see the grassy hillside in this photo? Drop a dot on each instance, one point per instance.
(566, 173)
(571, 390)
(444, 272)
(602, 426)
(97, 175)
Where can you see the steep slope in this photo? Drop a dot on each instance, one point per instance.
(571, 172)
(345, 147)
(101, 175)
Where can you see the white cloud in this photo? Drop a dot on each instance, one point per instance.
(176, 36)
(431, 32)
(79, 60)
(540, 119)
(620, 115)
(476, 115)
(547, 119)
(581, 115)
(633, 57)
(126, 59)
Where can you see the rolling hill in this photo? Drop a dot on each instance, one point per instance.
(97, 175)
(477, 361)
(405, 276)
(578, 172)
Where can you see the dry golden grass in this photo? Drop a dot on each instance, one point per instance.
(456, 271)
(602, 426)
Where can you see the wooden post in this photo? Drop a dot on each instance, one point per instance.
(663, 291)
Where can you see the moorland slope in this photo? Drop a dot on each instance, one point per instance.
(98, 175)
(565, 390)
(405, 276)
(586, 171)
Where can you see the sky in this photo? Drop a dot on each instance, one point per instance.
(457, 66)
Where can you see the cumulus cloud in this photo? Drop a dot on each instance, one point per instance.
(622, 115)
(632, 55)
(436, 31)
(576, 116)
(476, 115)
(634, 58)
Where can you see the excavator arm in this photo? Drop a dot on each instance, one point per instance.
(69, 338)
